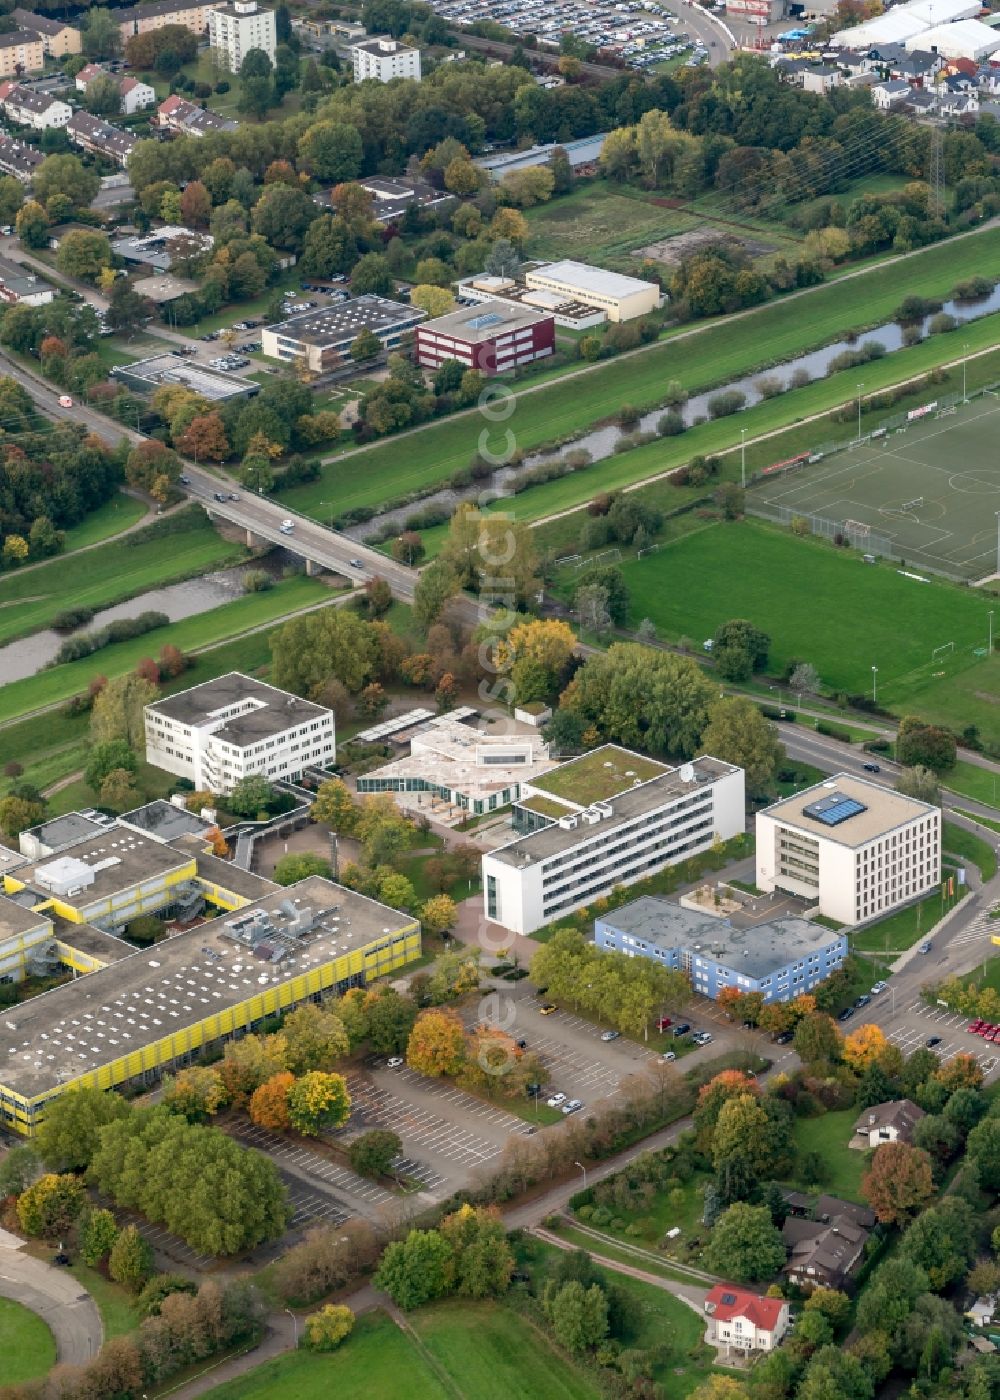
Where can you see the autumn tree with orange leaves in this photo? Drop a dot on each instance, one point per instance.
(437, 1043)
(269, 1104)
(898, 1183)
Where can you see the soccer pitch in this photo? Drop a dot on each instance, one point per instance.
(931, 489)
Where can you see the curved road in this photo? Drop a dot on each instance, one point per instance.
(56, 1296)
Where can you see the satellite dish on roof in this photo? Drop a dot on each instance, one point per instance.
(687, 773)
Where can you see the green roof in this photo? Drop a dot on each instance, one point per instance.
(599, 775)
(544, 806)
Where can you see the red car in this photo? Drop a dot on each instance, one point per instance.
(987, 1028)
(663, 1023)
(974, 1027)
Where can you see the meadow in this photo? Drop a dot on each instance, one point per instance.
(26, 1343)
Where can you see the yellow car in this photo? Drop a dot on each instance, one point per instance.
(547, 1008)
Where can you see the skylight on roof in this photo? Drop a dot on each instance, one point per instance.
(834, 809)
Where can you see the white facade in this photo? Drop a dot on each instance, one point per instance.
(136, 96)
(236, 28)
(884, 853)
(34, 109)
(227, 729)
(384, 59)
(582, 855)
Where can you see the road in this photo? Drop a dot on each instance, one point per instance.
(56, 1296)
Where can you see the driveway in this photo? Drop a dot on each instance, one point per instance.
(55, 1295)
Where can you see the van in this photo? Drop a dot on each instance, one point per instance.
(707, 645)
(286, 527)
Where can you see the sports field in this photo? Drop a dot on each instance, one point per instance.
(932, 489)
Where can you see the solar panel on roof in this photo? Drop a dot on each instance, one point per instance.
(833, 810)
(487, 319)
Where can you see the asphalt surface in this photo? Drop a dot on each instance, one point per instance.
(56, 1296)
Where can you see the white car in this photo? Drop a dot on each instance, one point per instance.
(556, 1100)
(65, 401)
(879, 987)
(573, 1106)
(286, 527)
(669, 1056)
(394, 1062)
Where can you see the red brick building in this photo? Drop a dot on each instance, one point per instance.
(491, 337)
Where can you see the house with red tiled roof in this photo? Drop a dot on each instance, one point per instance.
(745, 1321)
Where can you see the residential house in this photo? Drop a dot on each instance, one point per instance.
(958, 104)
(143, 19)
(825, 1251)
(916, 68)
(136, 95)
(88, 73)
(921, 102)
(100, 137)
(821, 79)
(177, 114)
(893, 1121)
(20, 285)
(982, 1311)
(21, 51)
(35, 109)
(853, 62)
(745, 1321)
(58, 38)
(890, 94)
(18, 159)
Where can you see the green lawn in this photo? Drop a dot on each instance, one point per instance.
(115, 1305)
(240, 310)
(117, 571)
(902, 929)
(598, 223)
(968, 778)
(492, 1353)
(808, 597)
(829, 1135)
(216, 625)
(26, 1343)
(971, 848)
(983, 821)
(378, 1362)
(651, 1225)
(712, 354)
(110, 519)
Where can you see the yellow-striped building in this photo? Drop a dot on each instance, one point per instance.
(138, 1013)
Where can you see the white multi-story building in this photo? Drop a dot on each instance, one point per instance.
(857, 849)
(234, 726)
(236, 28)
(609, 818)
(383, 59)
(30, 108)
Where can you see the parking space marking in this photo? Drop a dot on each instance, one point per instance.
(417, 1124)
(313, 1164)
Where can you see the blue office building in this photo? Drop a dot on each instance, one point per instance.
(780, 959)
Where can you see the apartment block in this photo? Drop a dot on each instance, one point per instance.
(236, 28)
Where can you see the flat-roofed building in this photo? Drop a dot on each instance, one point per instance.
(158, 1008)
(321, 340)
(780, 959)
(491, 337)
(231, 727)
(609, 818)
(620, 298)
(21, 51)
(54, 833)
(161, 247)
(236, 28)
(58, 38)
(858, 849)
(149, 374)
(455, 771)
(383, 59)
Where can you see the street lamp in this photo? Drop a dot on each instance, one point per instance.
(874, 685)
(860, 388)
(743, 458)
(965, 356)
(989, 647)
(998, 541)
(332, 505)
(295, 1325)
(584, 1170)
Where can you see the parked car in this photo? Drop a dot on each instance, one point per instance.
(394, 1062)
(862, 1000)
(663, 1023)
(65, 401)
(974, 1027)
(681, 1029)
(573, 1106)
(933, 1040)
(547, 1008)
(669, 1056)
(611, 1035)
(846, 1014)
(784, 1038)
(556, 1100)
(879, 987)
(184, 480)
(926, 946)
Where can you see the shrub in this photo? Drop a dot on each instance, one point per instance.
(326, 1329)
(728, 402)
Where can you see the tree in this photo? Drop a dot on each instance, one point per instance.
(131, 1260)
(66, 175)
(804, 679)
(268, 1106)
(509, 226)
(251, 796)
(365, 346)
(282, 215)
(334, 806)
(436, 1045)
(415, 1270)
(437, 585)
(316, 1038)
(71, 1129)
(96, 1234)
(196, 1092)
(743, 1127)
(118, 710)
(864, 1047)
(641, 697)
(745, 1244)
(919, 782)
(292, 868)
(17, 814)
(923, 744)
(332, 151)
(205, 438)
(50, 1205)
(439, 914)
(250, 1062)
(11, 198)
(738, 649)
(372, 276)
(256, 95)
(326, 1329)
(436, 301)
(831, 1303)
(32, 224)
(118, 790)
(318, 1101)
(898, 1182)
(373, 1153)
(579, 1316)
(817, 1039)
(390, 1019)
(82, 254)
(737, 732)
(941, 1241)
(18, 1169)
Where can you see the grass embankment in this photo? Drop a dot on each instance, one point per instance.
(713, 354)
(110, 519)
(901, 930)
(115, 1306)
(970, 848)
(26, 1343)
(218, 624)
(119, 570)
